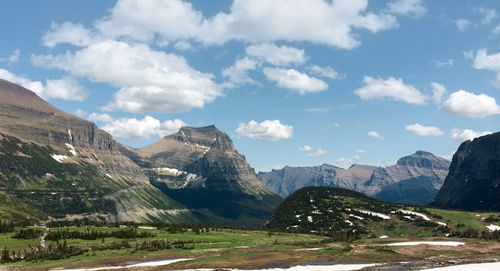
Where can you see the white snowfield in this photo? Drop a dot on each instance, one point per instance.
(144, 264)
(171, 171)
(492, 227)
(59, 158)
(386, 217)
(430, 243)
(468, 267)
(424, 217)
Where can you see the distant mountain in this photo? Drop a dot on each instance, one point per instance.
(200, 168)
(414, 179)
(346, 215)
(473, 182)
(59, 165)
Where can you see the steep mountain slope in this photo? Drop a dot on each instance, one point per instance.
(473, 182)
(200, 168)
(346, 215)
(414, 179)
(64, 165)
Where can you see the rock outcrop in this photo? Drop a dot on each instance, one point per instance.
(473, 182)
(414, 179)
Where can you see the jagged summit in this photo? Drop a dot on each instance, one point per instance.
(208, 136)
(423, 159)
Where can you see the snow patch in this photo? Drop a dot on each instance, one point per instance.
(109, 176)
(356, 216)
(424, 217)
(59, 158)
(442, 223)
(310, 219)
(492, 227)
(384, 237)
(70, 136)
(171, 171)
(375, 214)
(71, 149)
(349, 222)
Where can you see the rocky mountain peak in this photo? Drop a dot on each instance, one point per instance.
(423, 159)
(208, 136)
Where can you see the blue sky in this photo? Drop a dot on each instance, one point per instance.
(299, 82)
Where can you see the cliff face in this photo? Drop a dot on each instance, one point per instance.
(415, 178)
(473, 182)
(59, 147)
(200, 168)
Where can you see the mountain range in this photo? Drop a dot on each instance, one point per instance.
(416, 178)
(55, 164)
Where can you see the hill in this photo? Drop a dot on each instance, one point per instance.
(347, 215)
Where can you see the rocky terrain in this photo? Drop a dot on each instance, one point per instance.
(65, 166)
(473, 182)
(413, 179)
(199, 168)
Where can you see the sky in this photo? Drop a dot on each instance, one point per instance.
(292, 82)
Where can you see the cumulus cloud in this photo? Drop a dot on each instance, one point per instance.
(407, 7)
(360, 151)
(375, 135)
(305, 148)
(149, 80)
(317, 21)
(100, 117)
(65, 88)
(488, 14)
(68, 32)
(465, 104)
(294, 80)
(462, 24)
(317, 153)
(327, 72)
(391, 88)
(238, 72)
(131, 128)
(438, 92)
(268, 130)
(346, 162)
(276, 55)
(483, 61)
(461, 135)
(421, 130)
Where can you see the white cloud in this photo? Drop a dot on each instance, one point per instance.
(316, 21)
(407, 7)
(276, 55)
(13, 58)
(268, 130)
(469, 54)
(65, 88)
(317, 109)
(444, 64)
(100, 117)
(462, 135)
(483, 61)
(67, 32)
(79, 113)
(375, 135)
(462, 24)
(149, 80)
(130, 129)
(238, 72)
(183, 45)
(360, 151)
(470, 105)
(392, 88)
(305, 148)
(421, 130)
(346, 162)
(489, 14)
(327, 72)
(317, 153)
(336, 124)
(438, 92)
(295, 80)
